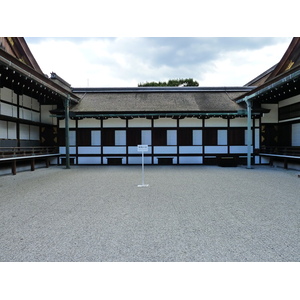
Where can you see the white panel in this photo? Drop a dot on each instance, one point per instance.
(89, 160)
(34, 133)
(114, 150)
(272, 116)
(15, 98)
(165, 150)
(3, 130)
(62, 150)
(257, 138)
(296, 134)
(215, 149)
(197, 137)
(26, 114)
(239, 149)
(114, 122)
(190, 149)
(15, 111)
(215, 122)
(6, 94)
(171, 137)
(138, 160)
(96, 137)
(120, 137)
(24, 132)
(86, 123)
(191, 160)
(72, 138)
(26, 101)
(238, 122)
(256, 159)
(222, 137)
(45, 115)
(133, 150)
(6, 109)
(89, 150)
(256, 122)
(165, 122)
(289, 101)
(35, 104)
(62, 123)
(139, 122)
(190, 122)
(146, 137)
(35, 116)
(12, 130)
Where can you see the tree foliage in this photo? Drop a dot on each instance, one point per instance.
(171, 82)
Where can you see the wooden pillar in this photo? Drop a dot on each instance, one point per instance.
(47, 162)
(14, 167)
(32, 164)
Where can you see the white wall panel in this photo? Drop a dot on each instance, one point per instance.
(62, 123)
(238, 122)
(272, 116)
(114, 150)
(133, 150)
(222, 137)
(6, 94)
(89, 160)
(114, 122)
(171, 137)
(197, 137)
(96, 137)
(25, 101)
(215, 122)
(120, 137)
(139, 122)
(165, 149)
(296, 134)
(257, 138)
(89, 150)
(190, 122)
(89, 123)
(215, 149)
(190, 149)
(26, 114)
(239, 149)
(289, 101)
(35, 116)
(146, 137)
(3, 129)
(190, 160)
(12, 130)
(35, 104)
(6, 109)
(165, 122)
(138, 160)
(24, 132)
(72, 138)
(34, 133)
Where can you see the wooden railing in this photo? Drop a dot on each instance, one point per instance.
(281, 150)
(7, 152)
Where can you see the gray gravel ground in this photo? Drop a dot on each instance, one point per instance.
(188, 213)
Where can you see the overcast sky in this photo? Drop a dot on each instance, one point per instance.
(126, 62)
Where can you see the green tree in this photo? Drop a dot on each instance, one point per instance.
(171, 82)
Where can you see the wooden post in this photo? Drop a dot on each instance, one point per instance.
(32, 164)
(14, 167)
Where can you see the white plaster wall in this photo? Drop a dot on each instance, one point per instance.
(296, 134)
(89, 160)
(133, 150)
(62, 150)
(165, 122)
(272, 116)
(34, 133)
(257, 138)
(215, 122)
(139, 122)
(25, 101)
(24, 132)
(238, 122)
(114, 122)
(89, 123)
(8, 95)
(289, 101)
(165, 149)
(215, 149)
(190, 122)
(62, 123)
(239, 149)
(190, 160)
(114, 150)
(3, 129)
(96, 137)
(11, 130)
(45, 115)
(89, 150)
(138, 160)
(197, 137)
(190, 149)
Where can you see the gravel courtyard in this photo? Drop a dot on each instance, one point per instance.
(188, 213)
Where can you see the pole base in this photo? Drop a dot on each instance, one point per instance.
(143, 185)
